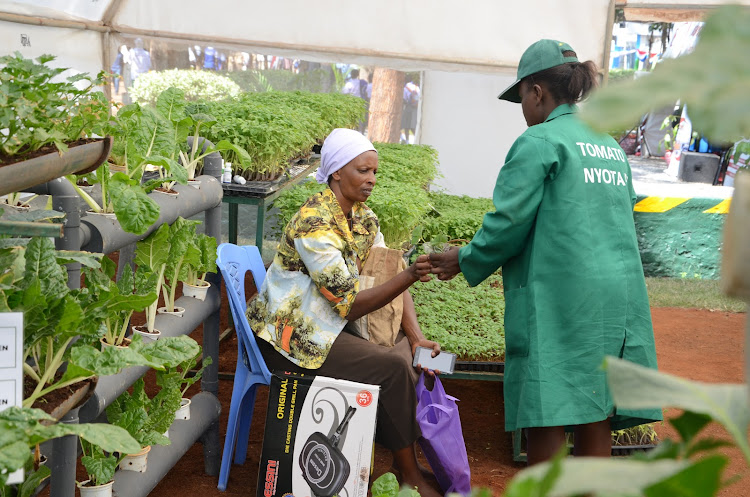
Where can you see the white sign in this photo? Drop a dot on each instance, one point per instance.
(11, 368)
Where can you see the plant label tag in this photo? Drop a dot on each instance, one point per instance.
(11, 368)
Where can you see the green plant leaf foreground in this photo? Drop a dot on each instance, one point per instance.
(712, 81)
(618, 478)
(636, 387)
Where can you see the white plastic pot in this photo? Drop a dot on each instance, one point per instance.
(143, 331)
(178, 311)
(184, 410)
(198, 291)
(168, 194)
(194, 183)
(95, 491)
(125, 343)
(108, 215)
(136, 462)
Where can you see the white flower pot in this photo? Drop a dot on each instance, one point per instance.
(95, 491)
(194, 183)
(198, 291)
(136, 462)
(184, 410)
(178, 311)
(125, 343)
(145, 334)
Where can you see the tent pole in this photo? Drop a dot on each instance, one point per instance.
(57, 23)
(604, 68)
(107, 63)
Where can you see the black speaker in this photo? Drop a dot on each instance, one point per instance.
(696, 167)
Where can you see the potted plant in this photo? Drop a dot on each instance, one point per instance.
(24, 428)
(133, 292)
(152, 252)
(200, 262)
(45, 120)
(179, 379)
(181, 236)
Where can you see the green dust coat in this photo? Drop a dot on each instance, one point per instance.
(574, 288)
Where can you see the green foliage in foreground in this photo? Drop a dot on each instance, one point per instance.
(712, 81)
(691, 293)
(466, 321)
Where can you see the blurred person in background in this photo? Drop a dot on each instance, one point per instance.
(140, 60)
(412, 93)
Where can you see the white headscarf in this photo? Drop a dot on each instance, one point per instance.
(341, 146)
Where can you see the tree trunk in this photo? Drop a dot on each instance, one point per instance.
(386, 105)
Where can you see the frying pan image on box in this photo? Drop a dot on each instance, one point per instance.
(323, 465)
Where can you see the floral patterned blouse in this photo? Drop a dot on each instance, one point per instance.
(313, 280)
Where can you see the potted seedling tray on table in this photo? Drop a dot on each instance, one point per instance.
(262, 194)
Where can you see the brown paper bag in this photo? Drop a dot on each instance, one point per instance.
(381, 326)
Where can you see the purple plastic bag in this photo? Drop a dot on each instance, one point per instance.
(442, 440)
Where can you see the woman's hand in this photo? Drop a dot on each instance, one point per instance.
(421, 269)
(445, 264)
(428, 344)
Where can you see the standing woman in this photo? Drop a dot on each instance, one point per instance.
(311, 294)
(563, 233)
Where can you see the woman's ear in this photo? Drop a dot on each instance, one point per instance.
(538, 93)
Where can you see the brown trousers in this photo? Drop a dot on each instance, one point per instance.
(355, 359)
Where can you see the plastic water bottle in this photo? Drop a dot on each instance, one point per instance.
(239, 179)
(226, 177)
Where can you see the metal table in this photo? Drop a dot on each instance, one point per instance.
(262, 194)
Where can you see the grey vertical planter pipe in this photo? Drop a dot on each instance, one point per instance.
(65, 199)
(62, 460)
(204, 411)
(210, 380)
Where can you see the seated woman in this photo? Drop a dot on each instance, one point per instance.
(311, 292)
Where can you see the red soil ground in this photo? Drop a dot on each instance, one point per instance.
(694, 344)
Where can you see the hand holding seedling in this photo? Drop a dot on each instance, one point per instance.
(445, 264)
(421, 268)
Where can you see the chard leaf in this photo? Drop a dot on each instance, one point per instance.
(32, 481)
(174, 168)
(41, 262)
(87, 259)
(171, 104)
(154, 250)
(126, 282)
(100, 467)
(135, 210)
(35, 215)
(145, 280)
(110, 361)
(169, 351)
(13, 455)
(156, 134)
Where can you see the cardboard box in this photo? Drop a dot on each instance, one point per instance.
(318, 437)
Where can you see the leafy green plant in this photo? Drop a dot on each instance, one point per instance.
(475, 333)
(23, 428)
(196, 85)
(38, 107)
(142, 136)
(275, 127)
(144, 418)
(200, 261)
(386, 485)
(153, 253)
(181, 377)
(316, 81)
(132, 292)
(181, 237)
(191, 159)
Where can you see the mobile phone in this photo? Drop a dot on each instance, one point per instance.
(443, 362)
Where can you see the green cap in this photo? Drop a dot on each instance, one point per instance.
(542, 55)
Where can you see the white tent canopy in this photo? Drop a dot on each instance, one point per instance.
(468, 51)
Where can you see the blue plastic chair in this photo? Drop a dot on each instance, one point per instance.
(234, 262)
